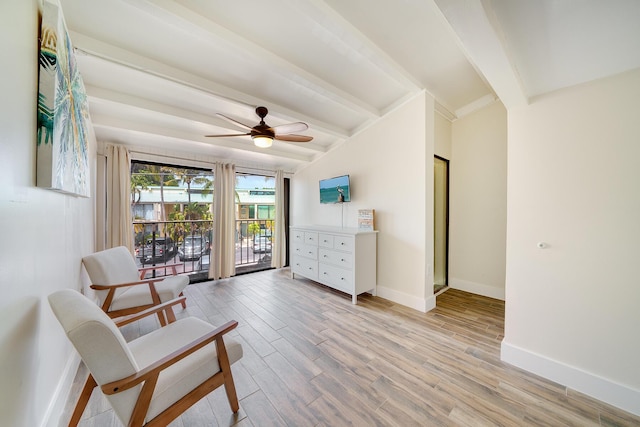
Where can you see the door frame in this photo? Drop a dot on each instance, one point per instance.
(446, 231)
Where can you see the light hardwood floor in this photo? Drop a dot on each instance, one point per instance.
(311, 358)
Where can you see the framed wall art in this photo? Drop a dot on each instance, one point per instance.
(63, 111)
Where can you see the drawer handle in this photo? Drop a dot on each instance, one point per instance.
(341, 243)
(342, 278)
(324, 256)
(310, 252)
(325, 273)
(310, 268)
(342, 259)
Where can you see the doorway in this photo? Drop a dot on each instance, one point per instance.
(440, 224)
(256, 220)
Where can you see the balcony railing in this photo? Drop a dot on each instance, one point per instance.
(188, 244)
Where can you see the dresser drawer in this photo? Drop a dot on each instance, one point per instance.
(341, 259)
(305, 267)
(336, 277)
(325, 240)
(311, 238)
(344, 243)
(306, 251)
(297, 236)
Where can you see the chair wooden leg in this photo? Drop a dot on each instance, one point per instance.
(225, 368)
(184, 303)
(230, 388)
(85, 395)
(171, 316)
(161, 318)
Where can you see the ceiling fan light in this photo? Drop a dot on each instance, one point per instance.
(262, 141)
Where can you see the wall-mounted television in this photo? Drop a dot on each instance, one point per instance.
(335, 190)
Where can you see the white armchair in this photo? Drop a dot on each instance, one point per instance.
(121, 287)
(153, 379)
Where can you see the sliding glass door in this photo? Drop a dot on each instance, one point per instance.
(171, 208)
(256, 213)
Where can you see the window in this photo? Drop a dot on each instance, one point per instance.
(266, 212)
(246, 212)
(172, 208)
(255, 198)
(162, 192)
(143, 211)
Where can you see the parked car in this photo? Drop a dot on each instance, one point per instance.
(261, 244)
(193, 248)
(165, 249)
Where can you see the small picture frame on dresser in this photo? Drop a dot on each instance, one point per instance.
(366, 219)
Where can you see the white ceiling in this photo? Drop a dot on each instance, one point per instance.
(158, 71)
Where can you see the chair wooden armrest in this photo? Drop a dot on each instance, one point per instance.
(125, 320)
(143, 272)
(122, 285)
(112, 292)
(152, 371)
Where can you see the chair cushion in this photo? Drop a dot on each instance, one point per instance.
(133, 296)
(111, 266)
(179, 379)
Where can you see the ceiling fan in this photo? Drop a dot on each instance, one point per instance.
(263, 134)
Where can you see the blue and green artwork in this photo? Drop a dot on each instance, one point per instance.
(63, 112)
(335, 190)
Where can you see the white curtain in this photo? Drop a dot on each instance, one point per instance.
(279, 238)
(223, 248)
(119, 229)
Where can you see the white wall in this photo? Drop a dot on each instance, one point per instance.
(478, 202)
(391, 170)
(442, 135)
(44, 234)
(573, 309)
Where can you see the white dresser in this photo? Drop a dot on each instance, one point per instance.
(341, 258)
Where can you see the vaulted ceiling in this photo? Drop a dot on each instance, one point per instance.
(158, 71)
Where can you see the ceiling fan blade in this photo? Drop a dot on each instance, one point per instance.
(232, 134)
(294, 138)
(235, 122)
(290, 128)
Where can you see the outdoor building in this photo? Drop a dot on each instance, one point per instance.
(252, 203)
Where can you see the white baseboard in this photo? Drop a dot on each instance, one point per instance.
(420, 304)
(477, 288)
(61, 395)
(618, 395)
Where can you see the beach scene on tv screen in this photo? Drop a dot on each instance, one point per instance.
(332, 188)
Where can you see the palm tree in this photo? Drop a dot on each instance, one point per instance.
(195, 176)
(156, 175)
(139, 182)
(146, 175)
